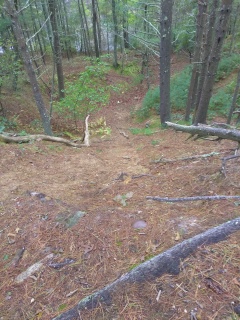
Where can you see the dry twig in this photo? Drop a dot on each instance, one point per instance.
(197, 198)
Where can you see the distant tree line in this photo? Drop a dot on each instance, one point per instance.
(35, 32)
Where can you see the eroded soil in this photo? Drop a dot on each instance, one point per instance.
(45, 185)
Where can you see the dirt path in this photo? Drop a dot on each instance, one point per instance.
(43, 185)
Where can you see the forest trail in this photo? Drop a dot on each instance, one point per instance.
(44, 185)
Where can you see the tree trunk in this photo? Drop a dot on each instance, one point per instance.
(213, 61)
(234, 100)
(165, 59)
(94, 23)
(192, 92)
(115, 39)
(17, 29)
(56, 47)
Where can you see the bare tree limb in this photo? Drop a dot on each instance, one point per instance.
(8, 138)
(166, 262)
(36, 137)
(203, 198)
(200, 156)
(204, 130)
(224, 160)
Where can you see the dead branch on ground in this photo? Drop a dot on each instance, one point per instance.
(182, 199)
(166, 262)
(224, 160)
(202, 130)
(9, 138)
(201, 156)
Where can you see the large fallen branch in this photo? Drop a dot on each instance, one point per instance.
(166, 262)
(37, 137)
(197, 198)
(204, 130)
(10, 138)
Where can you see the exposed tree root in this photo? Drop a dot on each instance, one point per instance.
(182, 199)
(166, 262)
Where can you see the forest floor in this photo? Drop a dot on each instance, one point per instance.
(77, 209)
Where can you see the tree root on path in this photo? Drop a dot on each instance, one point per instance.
(166, 262)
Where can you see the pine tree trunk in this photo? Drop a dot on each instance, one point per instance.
(56, 47)
(165, 59)
(17, 29)
(115, 26)
(94, 23)
(234, 100)
(192, 92)
(213, 61)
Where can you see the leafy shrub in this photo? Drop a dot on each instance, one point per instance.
(179, 91)
(227, 65)
(221, 101)
(87, 94)
(180, 85)
(6, 123)
(151, 101)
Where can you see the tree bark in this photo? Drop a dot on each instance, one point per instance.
(213, 61)
(165, 59)
(94, 23)
(166, 262)
(192, 92)
(204, 130)
(234, 100)
(56, 47)
(115, 37)
(17, 29)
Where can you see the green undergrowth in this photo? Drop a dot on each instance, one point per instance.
(219, 103)
(89, 93)
(151, 127)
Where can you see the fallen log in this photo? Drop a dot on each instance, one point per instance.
(204, 131)
(166, 262)
(10, 138)
(38, 137)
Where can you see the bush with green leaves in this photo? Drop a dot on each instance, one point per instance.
(221, 101)
(87, 94)
(179, 90)
(227, 65)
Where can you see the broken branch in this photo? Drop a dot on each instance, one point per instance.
(203, 130)
(167, 199)
(166, 262)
